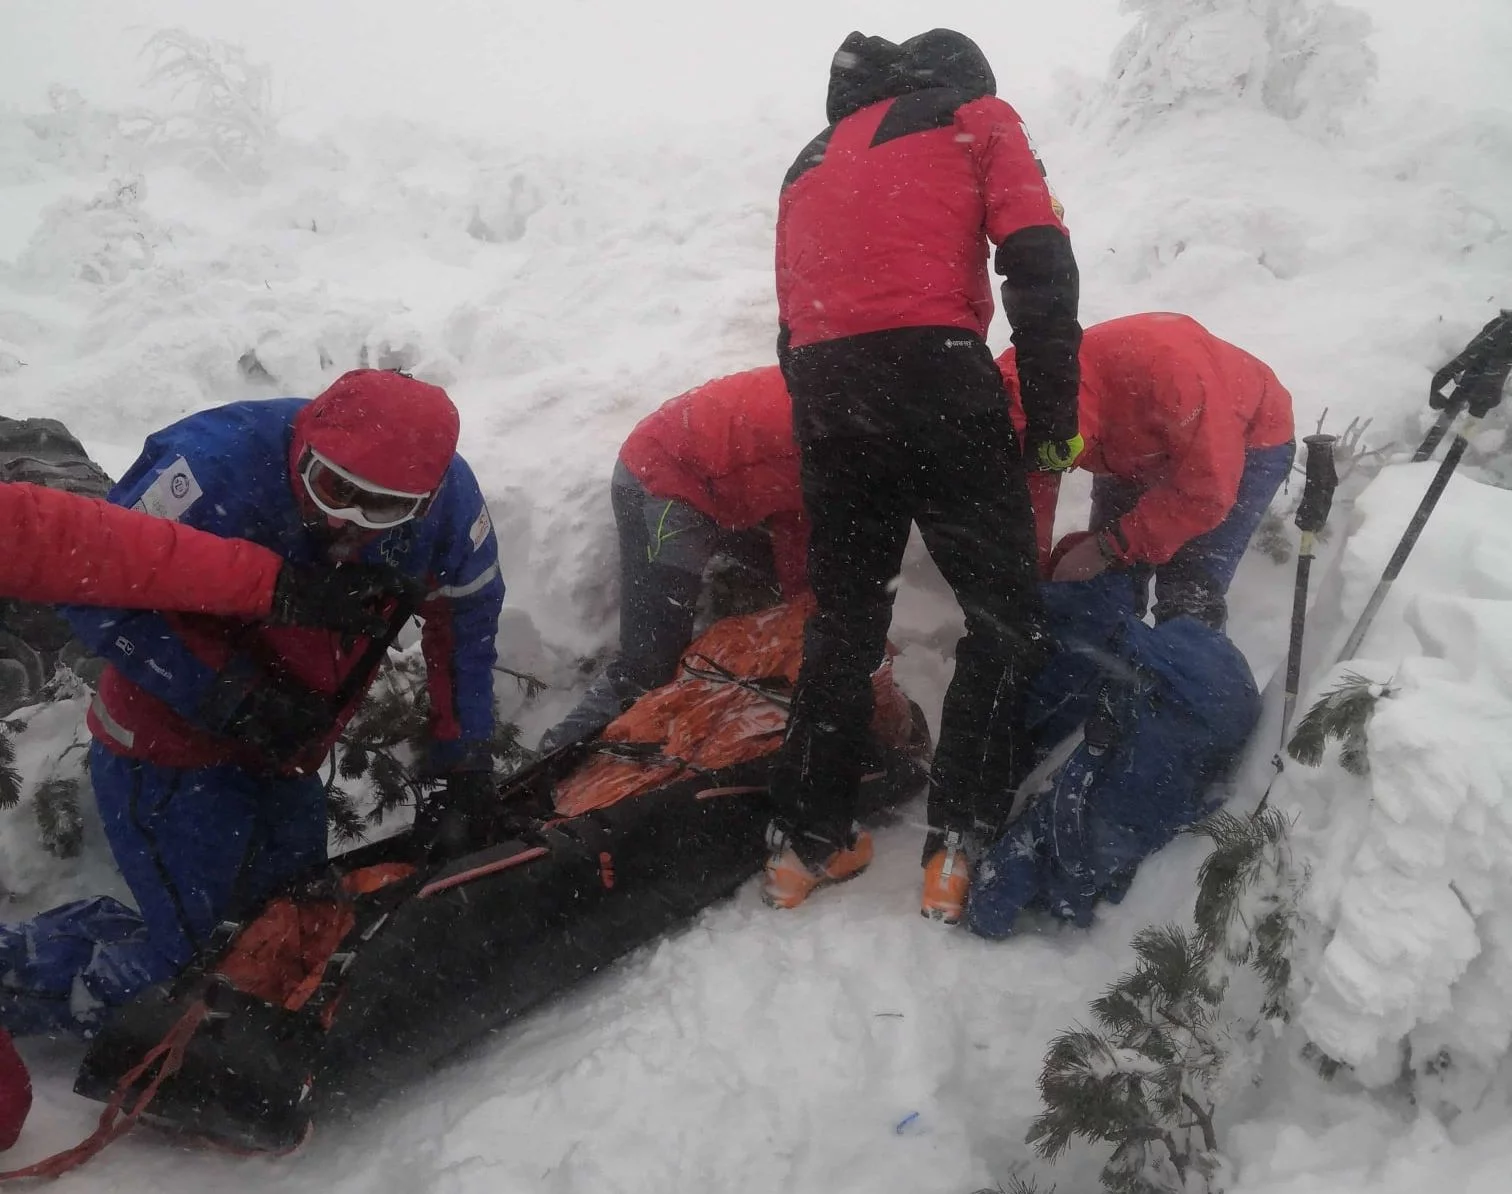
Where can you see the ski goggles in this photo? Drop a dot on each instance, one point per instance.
(342, 495)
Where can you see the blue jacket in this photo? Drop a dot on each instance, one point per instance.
(227, 470)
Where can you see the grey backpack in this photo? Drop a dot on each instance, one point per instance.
(34, 638)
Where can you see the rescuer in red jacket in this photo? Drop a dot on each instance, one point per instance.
(62, 547)
(1189, 438)
(884, 300)
(693, 475)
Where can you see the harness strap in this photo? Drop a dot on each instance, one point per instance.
(117, 1119)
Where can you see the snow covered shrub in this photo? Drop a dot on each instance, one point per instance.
(1303, 60)
(56, 769)
(229, 125)
(100, 241)
(1137, 1084)
(1183, 1029)
(1404, 948)
(76, 135)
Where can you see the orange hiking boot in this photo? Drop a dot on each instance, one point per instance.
(947, 876)
(789, 880)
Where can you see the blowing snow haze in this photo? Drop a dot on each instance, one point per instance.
(563, 212)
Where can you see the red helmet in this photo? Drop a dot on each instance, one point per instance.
(377, 426)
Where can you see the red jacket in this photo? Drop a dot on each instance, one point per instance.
(882, 220)
(63, 547)
(727, 449)
(15, 1092)
(1169, 406)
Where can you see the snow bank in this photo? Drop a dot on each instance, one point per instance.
(1412, 866)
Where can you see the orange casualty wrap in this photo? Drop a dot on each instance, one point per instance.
(281, 956)
(704, 721)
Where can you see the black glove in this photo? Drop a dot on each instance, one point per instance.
(280, 720)
(1479, 372)
(457, 818)
(342, 597)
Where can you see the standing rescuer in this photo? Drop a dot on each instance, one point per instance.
(901, 417)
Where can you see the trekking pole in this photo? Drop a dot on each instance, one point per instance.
(1482, 371)
(1410, 537)
(1312, 513)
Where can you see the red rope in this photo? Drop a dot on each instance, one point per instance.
(114, 1121)
(478, 872)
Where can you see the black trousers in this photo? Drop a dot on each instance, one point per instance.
(902, 427)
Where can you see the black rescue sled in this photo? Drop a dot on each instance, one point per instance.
(441, 952)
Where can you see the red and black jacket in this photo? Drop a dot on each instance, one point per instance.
(727, 449)
(1170, 408)
(883, 216)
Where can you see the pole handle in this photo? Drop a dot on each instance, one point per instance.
(1318, 488)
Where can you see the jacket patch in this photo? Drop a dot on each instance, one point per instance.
(174, 491)
(478, 532)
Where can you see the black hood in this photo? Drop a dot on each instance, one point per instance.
(863, 72)
(945, 58)
(866, 70)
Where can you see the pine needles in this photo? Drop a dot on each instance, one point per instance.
(1247, 894)
(10, 778)
(1143, 1083)
(1149, 1077)
(1342, 714)
(385, 745)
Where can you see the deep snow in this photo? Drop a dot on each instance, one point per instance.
(565, 240)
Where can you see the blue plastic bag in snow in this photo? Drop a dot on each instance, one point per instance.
(1168, 708)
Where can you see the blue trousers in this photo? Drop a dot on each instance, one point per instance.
(1195, 579)
(196, 846)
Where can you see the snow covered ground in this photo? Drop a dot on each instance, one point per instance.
(565, 216)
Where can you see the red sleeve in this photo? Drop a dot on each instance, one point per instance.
(60, 547)
(1044, 495)
(1012, 177)
(1205, 460)
(790, 536)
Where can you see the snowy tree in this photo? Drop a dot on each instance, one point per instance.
(229, 125)
(1303, 60)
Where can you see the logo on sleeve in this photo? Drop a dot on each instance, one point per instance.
(1055, 203)
(172, 493)
(480, 528)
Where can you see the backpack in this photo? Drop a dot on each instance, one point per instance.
(35, 639)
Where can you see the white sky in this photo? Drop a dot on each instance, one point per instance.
(483, 66)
